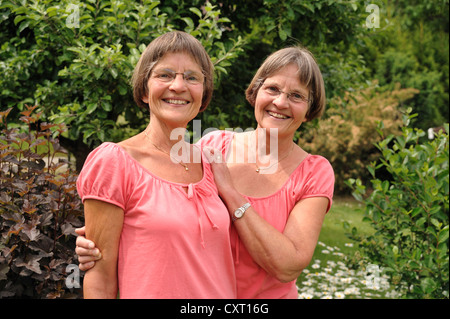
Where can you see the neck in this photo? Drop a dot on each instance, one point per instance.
(163, 135)
(268, 141)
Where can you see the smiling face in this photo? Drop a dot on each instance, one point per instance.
(173, 97)
(276, 109)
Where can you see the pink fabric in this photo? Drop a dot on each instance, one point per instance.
(174, 244)
(314, 177)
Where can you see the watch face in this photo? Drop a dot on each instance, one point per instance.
(238, 213)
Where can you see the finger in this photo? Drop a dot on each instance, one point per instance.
(209, 153)
(83, 252)
(85, 243)
(81, 231)
(86, 266)
(213, 155)
(217, 157)
(86, 259)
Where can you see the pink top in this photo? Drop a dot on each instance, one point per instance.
(174, 244)
(312, 178)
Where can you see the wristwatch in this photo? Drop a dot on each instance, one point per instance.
(238, 213)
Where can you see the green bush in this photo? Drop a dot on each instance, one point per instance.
(39, 209)
(346, 136)
(75, 60)
(409, 212)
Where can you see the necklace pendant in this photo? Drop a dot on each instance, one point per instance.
(257, 170)
(186, 168)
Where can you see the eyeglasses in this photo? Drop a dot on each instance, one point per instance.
(168, 76)
(294, 97)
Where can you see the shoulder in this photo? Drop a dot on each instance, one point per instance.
(105, 175)
(319, 170)
(108, 158)
(319, 162)
(106, 149)
(313, 178)
(216, 139)
(314, 174)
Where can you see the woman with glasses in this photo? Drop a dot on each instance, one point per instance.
(277, 194)
(151, 205)
(289, 190)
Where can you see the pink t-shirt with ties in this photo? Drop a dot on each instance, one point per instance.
(175, 241)
(313, 177)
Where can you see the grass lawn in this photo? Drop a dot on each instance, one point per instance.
(333, 233)
(327, 276)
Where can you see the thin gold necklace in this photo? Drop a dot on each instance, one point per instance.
(186, 168)
(258, 169)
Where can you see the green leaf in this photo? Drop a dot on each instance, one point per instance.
(443, 234)
(428, 285)
(19, 18)
(91, 108)
(282, 34)
(196, 11)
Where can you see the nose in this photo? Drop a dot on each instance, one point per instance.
(178, 84)
(281, 101)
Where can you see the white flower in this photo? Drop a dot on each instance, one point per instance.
(305, 296)
(352, 291)
(339, 295)
(347, 280)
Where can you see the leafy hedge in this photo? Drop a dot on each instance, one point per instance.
(409, 212)
(39, 209)
(346, 137)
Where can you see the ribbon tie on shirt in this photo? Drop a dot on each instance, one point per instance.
(198, 195)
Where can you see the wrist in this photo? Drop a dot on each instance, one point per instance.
(239, 212)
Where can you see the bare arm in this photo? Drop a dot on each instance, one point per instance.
(285, 254)
(103, 226)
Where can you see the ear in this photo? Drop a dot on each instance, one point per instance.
(145, 99)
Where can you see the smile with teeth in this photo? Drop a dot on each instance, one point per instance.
(174, 101)
(277, 115)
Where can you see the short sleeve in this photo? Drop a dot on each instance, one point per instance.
(104, 175)
(315, 179)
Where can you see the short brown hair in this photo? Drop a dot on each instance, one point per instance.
(309, 75)
(172, 42)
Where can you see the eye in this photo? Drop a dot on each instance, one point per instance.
(164, 76)
(273, 90)
(297, 96)
(193, 78)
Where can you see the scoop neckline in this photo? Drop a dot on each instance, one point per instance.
(284, 184)
(158, 177)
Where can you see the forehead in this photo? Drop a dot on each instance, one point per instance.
(178, 61)
(287, 78)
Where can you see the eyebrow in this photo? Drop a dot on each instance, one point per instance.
(170, 70)
(300, 91)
